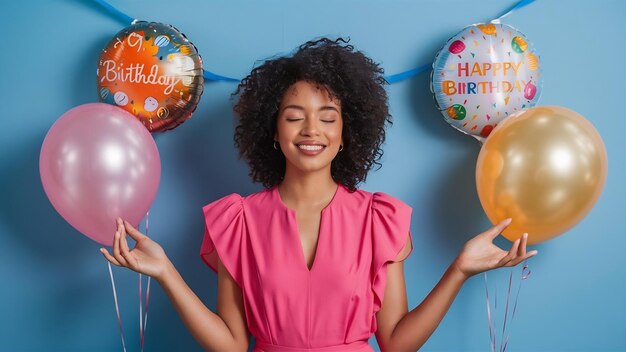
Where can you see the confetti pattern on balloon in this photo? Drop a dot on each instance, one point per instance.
(519, 45)
(530, 90)
(151, 70)
(533, 62)
(496, 74)
(487, 28)
(486, 130)
(457, 112)
(457, 47)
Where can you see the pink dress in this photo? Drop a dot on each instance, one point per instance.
(288, 307)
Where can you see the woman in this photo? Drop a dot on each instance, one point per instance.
(311, 263)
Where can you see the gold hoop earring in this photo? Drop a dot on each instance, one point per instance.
(275, 147)
(341, 147)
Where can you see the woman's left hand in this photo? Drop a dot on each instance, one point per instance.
(480, 254)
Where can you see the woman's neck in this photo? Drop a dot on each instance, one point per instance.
(310, 189)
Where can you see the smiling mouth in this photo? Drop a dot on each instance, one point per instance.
(311, 147)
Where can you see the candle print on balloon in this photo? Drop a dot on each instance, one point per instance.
(151, 70)
(482, 75)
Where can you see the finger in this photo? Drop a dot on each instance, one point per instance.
(531, 254)
(116, 249)
(122, 230)
(521, 252)
(120, 225)
(520, 259)
(125, 251)
(512, 253)
(498, 228)
(108, 257)
(515, 261)
(133, 232)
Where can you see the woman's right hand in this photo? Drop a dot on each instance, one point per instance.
(147, 257)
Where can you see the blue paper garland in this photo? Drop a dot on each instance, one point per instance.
(208, 75)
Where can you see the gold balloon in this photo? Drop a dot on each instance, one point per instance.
(543, 167)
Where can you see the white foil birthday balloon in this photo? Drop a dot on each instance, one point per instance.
(483, 74)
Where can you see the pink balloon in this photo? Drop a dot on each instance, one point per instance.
(99, 162)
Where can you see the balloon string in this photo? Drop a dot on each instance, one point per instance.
(145, 321)
(495, 317)
(390, 78)
(143, 315)
(491, 318)
(506, 311)
(525, 275)
(140, 312)
(492, 336)
(117, 308)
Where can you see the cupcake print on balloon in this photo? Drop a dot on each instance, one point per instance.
(483, 74)
(151, 70)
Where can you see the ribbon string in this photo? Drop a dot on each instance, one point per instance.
(525, 275)
(140, 311)
(506, 311)
(117, 308)
(143, 315)
(210, 76)
(491, 317)
(492, 336)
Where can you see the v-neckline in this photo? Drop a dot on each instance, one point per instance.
(294, 217)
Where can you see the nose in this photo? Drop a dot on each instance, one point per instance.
(310, 127)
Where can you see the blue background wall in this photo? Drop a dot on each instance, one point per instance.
(55, 293)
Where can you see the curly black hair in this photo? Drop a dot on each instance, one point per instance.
(348, 75)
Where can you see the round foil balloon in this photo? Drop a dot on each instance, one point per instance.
(544, 167)
(153, 71)
(482, 75)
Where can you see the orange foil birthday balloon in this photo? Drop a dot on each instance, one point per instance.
(153, 71)
(545, 168)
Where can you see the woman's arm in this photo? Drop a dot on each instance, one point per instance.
(224, 332)
(411, 330)
(402, 331)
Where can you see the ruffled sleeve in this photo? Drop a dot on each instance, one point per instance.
(391, 220)
(223, 232)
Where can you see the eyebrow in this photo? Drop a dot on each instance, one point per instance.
(298, 107)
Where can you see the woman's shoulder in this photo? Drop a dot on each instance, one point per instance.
(259, 196)
(236, 198)
(374, 199)
(254, 204)
(225, 201)
(357, 195)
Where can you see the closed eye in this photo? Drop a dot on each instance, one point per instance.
(328, 121)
